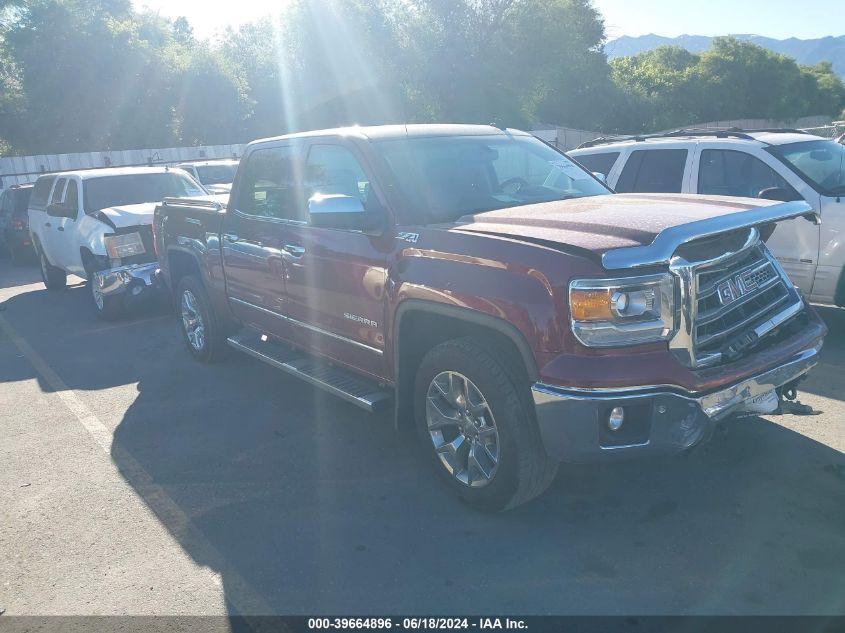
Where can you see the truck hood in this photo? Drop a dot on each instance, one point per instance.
(607, 223)
(138, 214)
(130, 214)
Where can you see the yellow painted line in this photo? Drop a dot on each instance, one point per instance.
(239, 592)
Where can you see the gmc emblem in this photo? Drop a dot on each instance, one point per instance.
(736, 287)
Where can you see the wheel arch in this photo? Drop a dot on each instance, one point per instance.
(434, 323)
(181, 263)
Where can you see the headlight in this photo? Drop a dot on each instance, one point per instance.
(618, 312)
(120, 246)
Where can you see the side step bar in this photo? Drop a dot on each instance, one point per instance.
(335, 380)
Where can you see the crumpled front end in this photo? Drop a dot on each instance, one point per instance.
(132, 267)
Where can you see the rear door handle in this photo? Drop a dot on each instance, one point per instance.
(61, 228)
(230, 237)
(47, 224)
(294, 249)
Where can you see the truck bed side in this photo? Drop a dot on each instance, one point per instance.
(187, 237)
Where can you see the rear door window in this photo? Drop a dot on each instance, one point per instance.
(725, 172)
(654, 170)
(272, 184)
(41, 192)
(598, 163)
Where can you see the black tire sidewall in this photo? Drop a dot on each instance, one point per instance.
(502, 397)
(54, 278)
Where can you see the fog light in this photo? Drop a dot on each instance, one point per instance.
(616, 418)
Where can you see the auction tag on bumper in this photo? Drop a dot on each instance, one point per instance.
(764, 403)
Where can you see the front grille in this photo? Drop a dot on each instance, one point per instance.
(146, 233)
(732, 302)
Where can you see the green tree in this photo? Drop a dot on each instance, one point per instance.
(86, 68)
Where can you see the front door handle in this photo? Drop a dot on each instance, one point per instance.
(47, 224)
(294, 249)
(61, 228)
(230, 237)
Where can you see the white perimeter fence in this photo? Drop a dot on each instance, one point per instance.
(23, 169)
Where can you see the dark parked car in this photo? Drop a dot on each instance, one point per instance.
(493, 291)
(14, 223)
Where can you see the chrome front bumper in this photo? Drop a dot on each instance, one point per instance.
(662, 418)
(118, 280)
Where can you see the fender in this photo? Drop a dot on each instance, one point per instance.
(468, 315)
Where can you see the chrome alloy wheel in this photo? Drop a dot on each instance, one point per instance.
(192, 321)
(462, 429)
(98, 296)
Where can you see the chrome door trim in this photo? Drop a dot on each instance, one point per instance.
(308, 326)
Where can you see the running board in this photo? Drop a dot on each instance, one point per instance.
(337, 381)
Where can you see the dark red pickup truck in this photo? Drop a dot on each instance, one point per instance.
(491, 290)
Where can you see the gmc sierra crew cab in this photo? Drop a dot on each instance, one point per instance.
(490, 290)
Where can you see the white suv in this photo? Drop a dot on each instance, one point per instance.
(96, 224)
(774, 164)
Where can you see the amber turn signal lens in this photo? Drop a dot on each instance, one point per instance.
(590, 305)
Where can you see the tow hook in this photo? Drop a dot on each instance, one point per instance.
(789, 403)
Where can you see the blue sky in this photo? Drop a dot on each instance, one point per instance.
(773, 18)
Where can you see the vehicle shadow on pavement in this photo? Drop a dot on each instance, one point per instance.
(311, 506)
(305, 505)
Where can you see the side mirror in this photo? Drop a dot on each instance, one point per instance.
(780, 194)
(600, 176)
(339, 211)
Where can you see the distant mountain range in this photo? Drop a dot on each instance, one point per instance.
(809, 52)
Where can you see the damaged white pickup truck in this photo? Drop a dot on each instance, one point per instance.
(96, 224)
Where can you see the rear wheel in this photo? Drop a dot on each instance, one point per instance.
(475, 420)
(54, 278)
(200, 327)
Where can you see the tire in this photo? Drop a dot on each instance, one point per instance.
(106, 308)
(500, 430)
(193, 308)
(54, 278)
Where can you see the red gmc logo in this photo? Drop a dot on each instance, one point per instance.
(736, 287)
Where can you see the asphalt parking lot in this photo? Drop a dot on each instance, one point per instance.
(137, 481)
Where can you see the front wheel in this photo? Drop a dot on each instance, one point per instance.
(54, 278)
(475, 420)
(107, 308)
(200, 327)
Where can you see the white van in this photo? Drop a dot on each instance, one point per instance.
(96, 224)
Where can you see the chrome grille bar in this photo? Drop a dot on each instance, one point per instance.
(736, 283)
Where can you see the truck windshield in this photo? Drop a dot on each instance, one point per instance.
(821, 164)
(111, 191)
(443, 178)
(216, 174)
